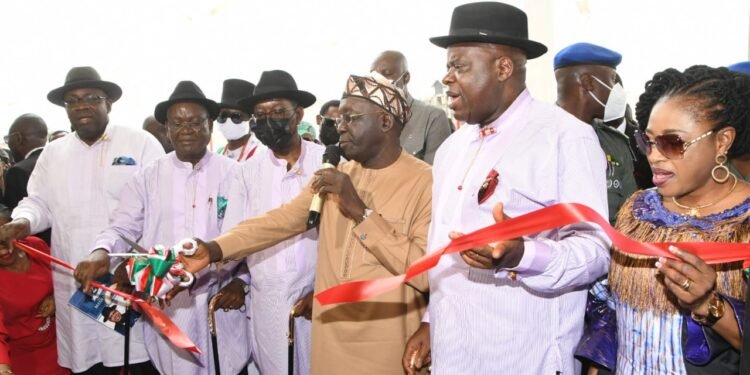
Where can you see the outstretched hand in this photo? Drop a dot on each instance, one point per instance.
(502, 254)
(196, 262)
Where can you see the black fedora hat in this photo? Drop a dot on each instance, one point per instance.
(84, 77)
(186, 91)
(490, 22)
(277, 84)
(233, 91)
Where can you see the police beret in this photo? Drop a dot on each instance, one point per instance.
(740, 67)
(586, 54)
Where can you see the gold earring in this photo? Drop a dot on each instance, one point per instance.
(721, 160)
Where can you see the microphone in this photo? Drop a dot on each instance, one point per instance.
(331, 158)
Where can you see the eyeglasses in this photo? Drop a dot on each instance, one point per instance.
(328, 121)
(280, 114)
(670, 145)
(88, 99)
(7, 137)
(349, 118)
(235, 117)
(195, 126)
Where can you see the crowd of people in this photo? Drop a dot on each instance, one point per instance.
(394, 179)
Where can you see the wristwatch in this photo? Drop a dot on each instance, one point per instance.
(716, 311)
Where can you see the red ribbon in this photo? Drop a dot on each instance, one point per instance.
(161, 321)
(548, 218)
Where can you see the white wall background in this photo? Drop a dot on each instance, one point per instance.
(148, 46)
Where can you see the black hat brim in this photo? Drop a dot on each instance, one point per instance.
(231, 106)
(531, 48)
(160, 112)
(302, 98)
(113, 91)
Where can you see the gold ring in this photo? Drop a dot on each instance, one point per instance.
(686, 284)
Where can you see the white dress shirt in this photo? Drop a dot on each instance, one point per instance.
(482, 321)
(73, 189)
(168, 201)
(284, 273)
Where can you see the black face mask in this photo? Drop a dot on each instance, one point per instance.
(273, 133)
(328, 133)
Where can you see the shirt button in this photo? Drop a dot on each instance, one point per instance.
(363, 237)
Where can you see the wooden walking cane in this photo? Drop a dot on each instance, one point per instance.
(290, 342)
(212, 330)
(126, 321)
(126, 356)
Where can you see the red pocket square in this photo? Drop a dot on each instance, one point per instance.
(488, 186)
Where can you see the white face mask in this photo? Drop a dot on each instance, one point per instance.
(232, 131)
(616, 103)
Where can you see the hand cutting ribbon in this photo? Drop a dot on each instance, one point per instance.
(157, 272)
(158, 318)
(548, 218)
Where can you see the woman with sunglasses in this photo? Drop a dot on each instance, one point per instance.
(681, 316)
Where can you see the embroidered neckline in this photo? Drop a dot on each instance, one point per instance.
(648, 206)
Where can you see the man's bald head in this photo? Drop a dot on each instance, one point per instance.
(31, 124)
(392, 65)
(28, 131)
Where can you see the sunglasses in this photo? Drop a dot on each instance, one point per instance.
(670, 145)
(327, 121)
(235, 117)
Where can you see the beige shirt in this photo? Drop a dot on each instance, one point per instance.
(366, 337)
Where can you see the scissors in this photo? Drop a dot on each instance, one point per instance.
(162, 262)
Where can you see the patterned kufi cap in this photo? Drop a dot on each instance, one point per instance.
(380, 91)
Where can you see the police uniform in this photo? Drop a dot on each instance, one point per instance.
(740, 67)
(620, 158)
(620, 177)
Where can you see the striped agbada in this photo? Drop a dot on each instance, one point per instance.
(168, 201)
(488, 322)
(284, 273)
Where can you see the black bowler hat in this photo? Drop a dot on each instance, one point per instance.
(186, 91)
(490, 22)
(84, 77)
(234, 90)
(277, 84)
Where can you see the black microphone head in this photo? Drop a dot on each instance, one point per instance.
(332, 155)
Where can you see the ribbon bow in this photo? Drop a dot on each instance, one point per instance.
(159, 271)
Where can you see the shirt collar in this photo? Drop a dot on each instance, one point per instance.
(32, 151)
(106, 136)
(495, 127)
(297, 167)
(188, 165)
